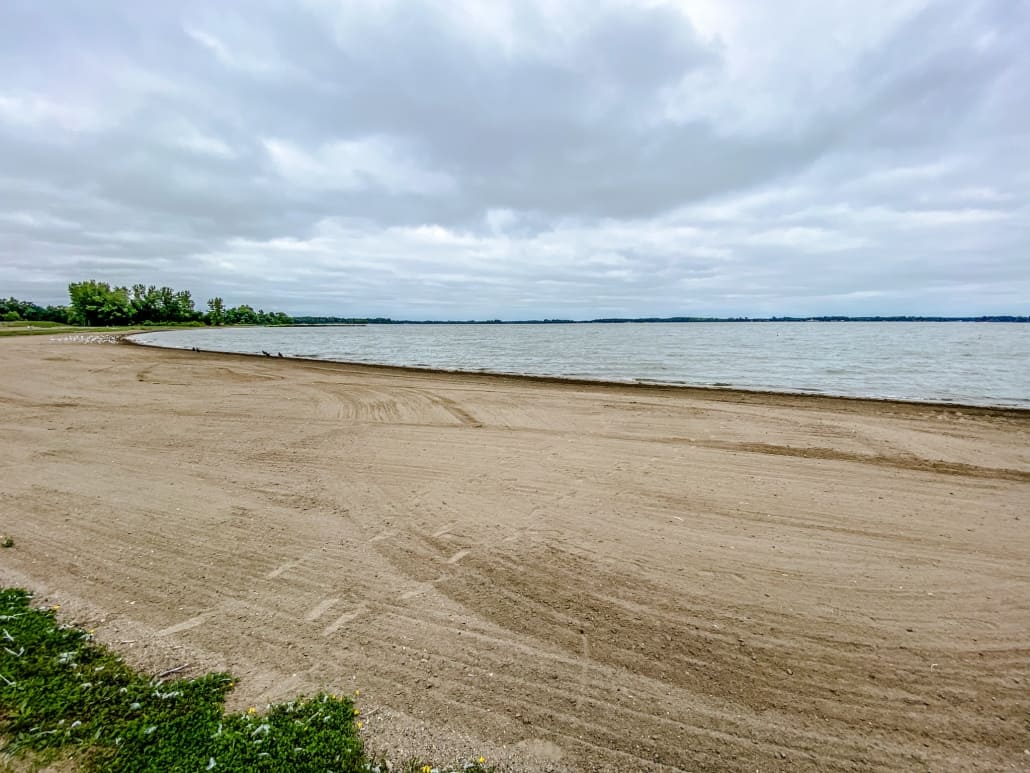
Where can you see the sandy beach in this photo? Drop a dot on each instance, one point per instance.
(557, 576)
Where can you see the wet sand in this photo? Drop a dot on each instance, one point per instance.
(555, 575)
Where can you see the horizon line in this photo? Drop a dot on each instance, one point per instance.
(333, 318)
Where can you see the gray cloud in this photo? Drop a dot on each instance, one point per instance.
(522, 159)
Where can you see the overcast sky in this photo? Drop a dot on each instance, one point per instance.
(441, 160)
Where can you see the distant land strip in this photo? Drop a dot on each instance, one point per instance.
(612, 320)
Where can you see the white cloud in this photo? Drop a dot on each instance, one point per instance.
(524, 157)
(37, 220)
(354, 165)
(206, 145)
(35, 111)
(252, 54)
(220, 51)
(782, 62)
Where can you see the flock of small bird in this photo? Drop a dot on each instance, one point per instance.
(78, 338)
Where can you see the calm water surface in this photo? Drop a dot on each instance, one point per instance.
(963, 362)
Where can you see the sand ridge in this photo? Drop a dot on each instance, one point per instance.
(557, 575)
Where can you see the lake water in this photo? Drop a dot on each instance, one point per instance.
(961, 362)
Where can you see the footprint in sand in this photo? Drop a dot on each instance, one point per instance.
(185, 625)
(343, 619)
(458, 556)
(445, 529)
(280, 570)
(415, 592)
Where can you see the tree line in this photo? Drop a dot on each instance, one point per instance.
(98, 304)
(12, 310)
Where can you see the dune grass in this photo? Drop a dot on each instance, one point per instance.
(63, 696)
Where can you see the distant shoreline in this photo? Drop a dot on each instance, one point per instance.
(320, 321)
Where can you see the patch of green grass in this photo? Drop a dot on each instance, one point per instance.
(23, 330)
(61, 692)
(31, 323)
(42, 328)
(18, 329)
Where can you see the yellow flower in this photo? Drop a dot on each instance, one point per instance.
(357, 711)
(426, 769)
(482, 760)
(357, 692)
(360, 725)
(55, 607)
(252, 711)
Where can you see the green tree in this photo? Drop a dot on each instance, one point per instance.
(144, 303)
(216, 311)
(167, 305)
(97, 303)
(242, 315)
(279, 318)
(31, 311)
(184, 310)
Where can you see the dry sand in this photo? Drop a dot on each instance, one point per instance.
(557, 576)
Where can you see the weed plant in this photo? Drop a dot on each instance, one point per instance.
(61, 692)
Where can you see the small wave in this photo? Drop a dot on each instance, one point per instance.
(937, 364)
